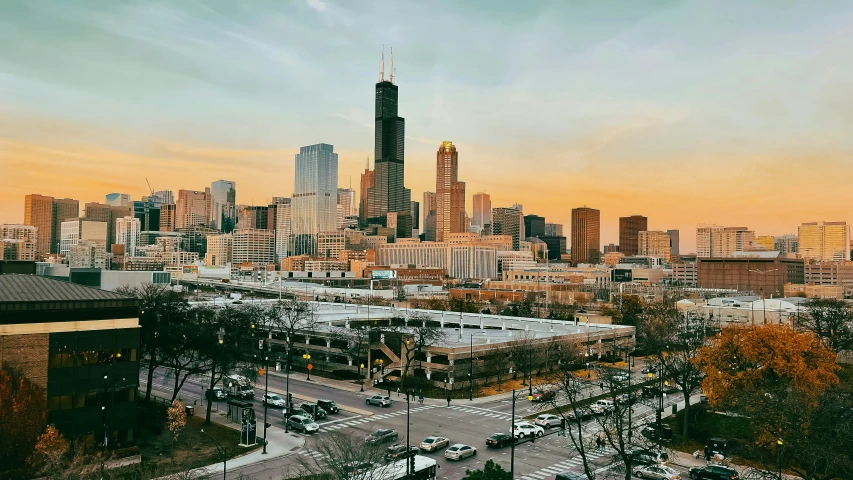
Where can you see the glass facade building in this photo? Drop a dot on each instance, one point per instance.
(315, 197)
(223, 207)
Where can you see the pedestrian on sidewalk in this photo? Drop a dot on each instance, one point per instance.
(707, 454)
(448, 399)
(398, 392)
(421, 398)
(602, 386)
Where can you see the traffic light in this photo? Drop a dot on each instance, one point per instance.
(412, 464)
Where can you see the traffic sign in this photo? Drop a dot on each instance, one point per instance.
(310, 366)
(261, 371)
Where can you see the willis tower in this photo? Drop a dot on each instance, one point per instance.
(389, 202)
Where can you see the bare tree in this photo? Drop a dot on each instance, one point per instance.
(525, 356)
(291, 317)
(342, 455)
(418, 333)
(832, 321)
(357, 341)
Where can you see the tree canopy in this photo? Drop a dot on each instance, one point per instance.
(490, 471)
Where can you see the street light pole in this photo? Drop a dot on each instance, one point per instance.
(222, 450)
(512, 441)
(408, 463)
(630, 407)
(266, 387)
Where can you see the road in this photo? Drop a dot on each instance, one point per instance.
(462, 422)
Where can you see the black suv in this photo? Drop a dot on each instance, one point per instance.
(328, 405)
(215, 394)
(381, 436)
(713, 472)
(313, 410)
(398, 452)
(499, 440)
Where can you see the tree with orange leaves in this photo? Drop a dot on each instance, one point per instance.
(769, 373)
(23, 415)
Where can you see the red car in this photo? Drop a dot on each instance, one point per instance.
(544, 395)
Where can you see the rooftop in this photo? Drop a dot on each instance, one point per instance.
(34, 288)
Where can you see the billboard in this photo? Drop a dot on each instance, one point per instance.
(383, 274)
(621, 275)
(191, 269)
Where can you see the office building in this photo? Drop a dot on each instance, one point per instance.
(557, 245)
(824, 241)
(346, 199)
(127, 234)
(764, 242)
(38, 212)
(518, 207)
(283, 230)
(714, 241)
(586, 235)
(610, 248)
(315, 196)
(63, 209)
(416, 218)
(654, 244)
(366, 185)
(508, 221)
(674, 243)
(223, 205)
(253, 246)
(463, 261)
(165, 196)
(388, 193)
(88, 254)
(147, 211)
(534, 226)
(787, 245)
(430, 209)
(12, 231)
(18, 242)
(482, 214)
(762, 276)
(254, 217)
(193, 208)
(629, 233)
(554, 230)
(219, 250)
(449, 193)
(81, 345)
(74, 231)
(168, 212)
(118, 199)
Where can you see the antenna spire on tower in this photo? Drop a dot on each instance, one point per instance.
(392, 64)
(367, 165)
(382, 70)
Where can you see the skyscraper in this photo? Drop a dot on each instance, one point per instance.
(366, 184)
(629, 229)
(223, 206)
(127, 234)
(654, 244)
(416, 218)
(165, 196)
(554, 229)
(674, 242)
(824, 241)
(449, 192)
(193, 208)
(38, 212)
(315, 196)
(147, 211)
(63, 209)
(534, 226)
(430, 206)
(389, 193)
(283, 230)
(118, 199)
(508, 221)
(714, 241)
(586, 235)
(482, 215)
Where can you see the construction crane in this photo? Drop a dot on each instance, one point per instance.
(149, 187)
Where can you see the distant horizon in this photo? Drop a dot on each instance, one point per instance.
(732, 114)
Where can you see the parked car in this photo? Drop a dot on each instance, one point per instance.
(713, 472)
(719, 445)
(432, 444)
(274, 400)
(398, 452)
(645, 456)
(547, 420)
(499, 440)
(657, 472)
(313, 410)
(302, 423)
(544, 395)
(527, 429)
(460, 451)
(651, 432)
(216, 394)
(380, 400)
(570, 476)
(649, 391)
(606, 405)
(381, 436)
(328, 405)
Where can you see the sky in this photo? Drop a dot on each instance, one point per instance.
(688, 112)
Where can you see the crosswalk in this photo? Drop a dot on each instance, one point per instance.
(572, 463)
(484, 412)
(362, 420)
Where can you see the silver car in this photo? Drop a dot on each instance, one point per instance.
(547, 420)
(380, 400)
(658, 472)
(274, 400)
(303, 423)
(460, 451)
(432, 444)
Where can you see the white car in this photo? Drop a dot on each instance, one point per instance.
(303, 423)
(380, 400)
(620, 377)
(460, 451)
(547, 420)
(606, 405)
(658, 472)
(274, 400)
(527, 429)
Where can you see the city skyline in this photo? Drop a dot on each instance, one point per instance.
(651, 84)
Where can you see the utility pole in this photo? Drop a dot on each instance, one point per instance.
(512, 444)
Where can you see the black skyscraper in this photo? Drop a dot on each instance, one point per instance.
(388, 193)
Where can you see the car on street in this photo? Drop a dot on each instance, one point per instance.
(381, 436)
(303, 423)
(620, 377)
(597, 409)
(624, 398)
(313, 410)
(527, 429)
(328, 405)
(657, 472)
(216, 394)
(432, 443)
(713, 472)
(543, 395)
(273, 400)
(606, 405)
(645, 456)
(547, 420)
(582, 413)
(459, 451)
(379, 400)
(499, 440)
(651, 432)
(398, 452)
(650, 391)
(650, 369)
(570, 476)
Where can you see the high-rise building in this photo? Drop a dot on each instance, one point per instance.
(554, 230)
(714, 241)
(147, 211)
(654, 244)
(223, 205)
(430, 206)
(75, 230)
(346, 199)
(416, 218)
(38, 212)
(534, 226)
(764, 242)
(315, 196)
(168, 212)
(388, 193)
(193, 208)
(127, 234)
(283, 230)
(253, 216)
(786, 244)
(824, 241)
(449, 193)
(88, 254)
(18, 242)
(482, 214)
(508, 221)
(363, 200)
(63, 209)
(586, 235)
(118, 199)
(253, 246)
(518, 207)
(629, 229)
(674, 243)
(165, 196)
(557, 244)
(219, 248)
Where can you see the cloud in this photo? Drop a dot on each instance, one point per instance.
(318, 5)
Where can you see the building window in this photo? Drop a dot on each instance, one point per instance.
(52, 404)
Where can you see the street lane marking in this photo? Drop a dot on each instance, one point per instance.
(339, 420)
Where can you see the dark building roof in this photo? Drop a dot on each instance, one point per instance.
(34, 288)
